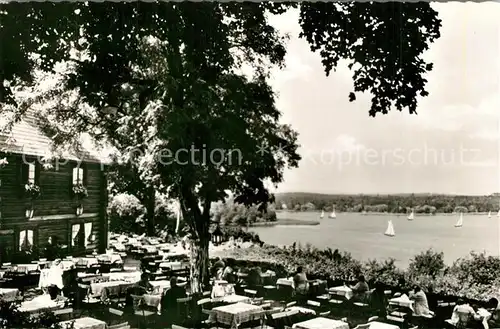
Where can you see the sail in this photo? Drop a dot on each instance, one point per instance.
(460, 221)
(390, 229)
(489, 214)
(411, 216)
(498, 215)
(333, 215)
(322, 214)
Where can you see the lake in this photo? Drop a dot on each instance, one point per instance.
(362, 235)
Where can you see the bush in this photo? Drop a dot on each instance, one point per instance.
(473, 277)
(126, 214)
(428, 263)
(11, 317)
(385, 272)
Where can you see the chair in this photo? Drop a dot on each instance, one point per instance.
(250, 293)
(64, 314)
(140, 310)
(363, 326)
(84, 296)
(116, 319)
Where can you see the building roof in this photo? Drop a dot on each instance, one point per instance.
(26, 137)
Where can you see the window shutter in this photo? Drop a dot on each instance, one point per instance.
(85, 174)
(71, 179)
(38, 169)
(22, 169)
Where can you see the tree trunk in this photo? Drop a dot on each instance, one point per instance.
(150, 211)
(199, 263)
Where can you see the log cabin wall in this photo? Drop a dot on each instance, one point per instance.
(55, 210)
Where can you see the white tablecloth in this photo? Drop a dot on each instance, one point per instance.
(285, 282)
(51, 276)
(321, 323)
(160, 285)
(300, 310)
(235, 314)
(39, 303)
(133, 277)
(402, 301)
(85, 323)
(381, 325)
(342, 291)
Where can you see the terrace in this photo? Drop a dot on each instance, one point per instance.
(100, 291)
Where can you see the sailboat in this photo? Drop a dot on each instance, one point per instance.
(498, 215)
(489, 214)
(411, 216)
(460, 221)
(333, 215)
(390, 229)
(322, 214)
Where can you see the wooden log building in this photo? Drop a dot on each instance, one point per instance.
(56, 218)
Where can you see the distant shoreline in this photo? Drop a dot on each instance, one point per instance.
(287, 222)
(389, 214)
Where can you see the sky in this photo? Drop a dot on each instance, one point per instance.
(451, 146)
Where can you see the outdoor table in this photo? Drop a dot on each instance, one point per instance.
(235, 314)
(402, 301)
(40, 303)
(134, 276)
(84, 323)
(51, 276)
(109, 258)
(343, 291)
(112, 287)
(8, 294)
(381, 325)
(299, 309)
(152, 300)
(232, 299)
(67, 264)
(160, 285)
(285, 282)
(24, 268)
(321, 323)
(87, 261)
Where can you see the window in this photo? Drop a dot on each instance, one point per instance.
(77, 176)
(31, 173)
(26, 240)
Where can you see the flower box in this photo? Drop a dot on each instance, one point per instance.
(32, 190)
(80, 191)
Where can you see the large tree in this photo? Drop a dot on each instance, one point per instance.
(171, 72)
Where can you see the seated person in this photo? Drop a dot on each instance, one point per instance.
(144, 282)
(228, 275)
(53, 291)
(218, 268)
(301, 285)
(379, 301)
(421, 307)
(463, 315)
(169, 298)
(360, 290)
(494, 309)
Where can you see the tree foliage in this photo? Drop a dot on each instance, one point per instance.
(231, 213)
(404, 203)
(172, 73)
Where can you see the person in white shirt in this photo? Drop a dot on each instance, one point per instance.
(462, 314)
(421, 307)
